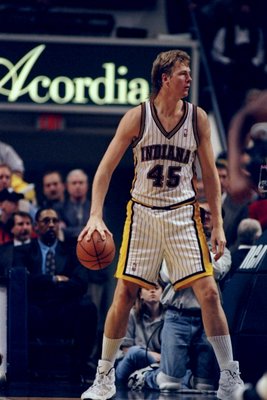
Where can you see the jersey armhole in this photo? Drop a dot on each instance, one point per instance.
(194, 120)
(142, 125)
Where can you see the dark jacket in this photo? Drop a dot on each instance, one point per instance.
(42, 288)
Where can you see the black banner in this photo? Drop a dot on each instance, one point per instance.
(80, 73)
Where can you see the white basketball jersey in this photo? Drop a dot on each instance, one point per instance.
(164, 161)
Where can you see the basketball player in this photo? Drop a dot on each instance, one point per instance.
(163, 218)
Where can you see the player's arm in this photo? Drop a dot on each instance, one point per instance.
(128, 129)
(211, 182)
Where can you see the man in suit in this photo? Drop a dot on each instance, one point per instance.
(58, 306)
(11, 253)
(53, 190)
(248, 231)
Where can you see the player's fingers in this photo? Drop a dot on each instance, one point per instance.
(220, 250)
(86, 232)
(82, 234)
(108, 231)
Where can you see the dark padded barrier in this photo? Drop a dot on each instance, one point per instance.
(17, 356)
(245, 305)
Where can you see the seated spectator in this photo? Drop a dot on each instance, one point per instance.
(77, 205)
(222, 266)
(73, 217)
(9, 204)
(234, 211)
(53, 190)
(141, 346)
(6, 183)
(187, 358)
(248, 231)
(257, 209)
(21, 228)
(10, 157)
(57, 284)
(5, 177)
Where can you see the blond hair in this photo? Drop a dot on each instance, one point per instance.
(164, 64)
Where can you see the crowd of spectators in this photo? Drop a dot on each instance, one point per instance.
(65, 300)
(32, 224)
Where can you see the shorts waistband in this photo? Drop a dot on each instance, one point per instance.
(192, 200)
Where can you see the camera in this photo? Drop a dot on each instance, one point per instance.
(257, 152)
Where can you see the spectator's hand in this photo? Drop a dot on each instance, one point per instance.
(240, 188)
(155, 355)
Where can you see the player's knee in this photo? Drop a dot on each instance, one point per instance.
(210, 296)
(207, 292)
(125, 295)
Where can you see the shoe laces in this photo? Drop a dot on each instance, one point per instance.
(233, 376)
(102, 379)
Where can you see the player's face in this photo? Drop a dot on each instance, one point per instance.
(180, 80)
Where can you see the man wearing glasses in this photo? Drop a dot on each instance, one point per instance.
(57, 284)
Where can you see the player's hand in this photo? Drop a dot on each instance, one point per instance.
(94, 224)
(218, 242)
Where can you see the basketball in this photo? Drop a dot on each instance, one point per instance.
(96, 253)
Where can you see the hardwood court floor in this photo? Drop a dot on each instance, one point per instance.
(65, 391)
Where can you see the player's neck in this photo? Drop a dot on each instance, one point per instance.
(168, 107)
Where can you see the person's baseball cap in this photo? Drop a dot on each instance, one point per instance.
(12, 196)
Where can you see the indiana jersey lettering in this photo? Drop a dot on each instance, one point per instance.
(164, 161)
(163, 217)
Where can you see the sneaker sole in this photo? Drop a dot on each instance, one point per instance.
(95, 397)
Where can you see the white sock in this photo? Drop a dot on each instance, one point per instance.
(110, 348)
(222, 347)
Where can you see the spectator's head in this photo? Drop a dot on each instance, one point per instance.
(248, 231)
(77, 185)
(47, 225)
(244, 13)
(5, 176)
(21, 226)
(148, 299)
(151, 296)
(53, 186)
(206, 218)
(9, 204)
(222, 168)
